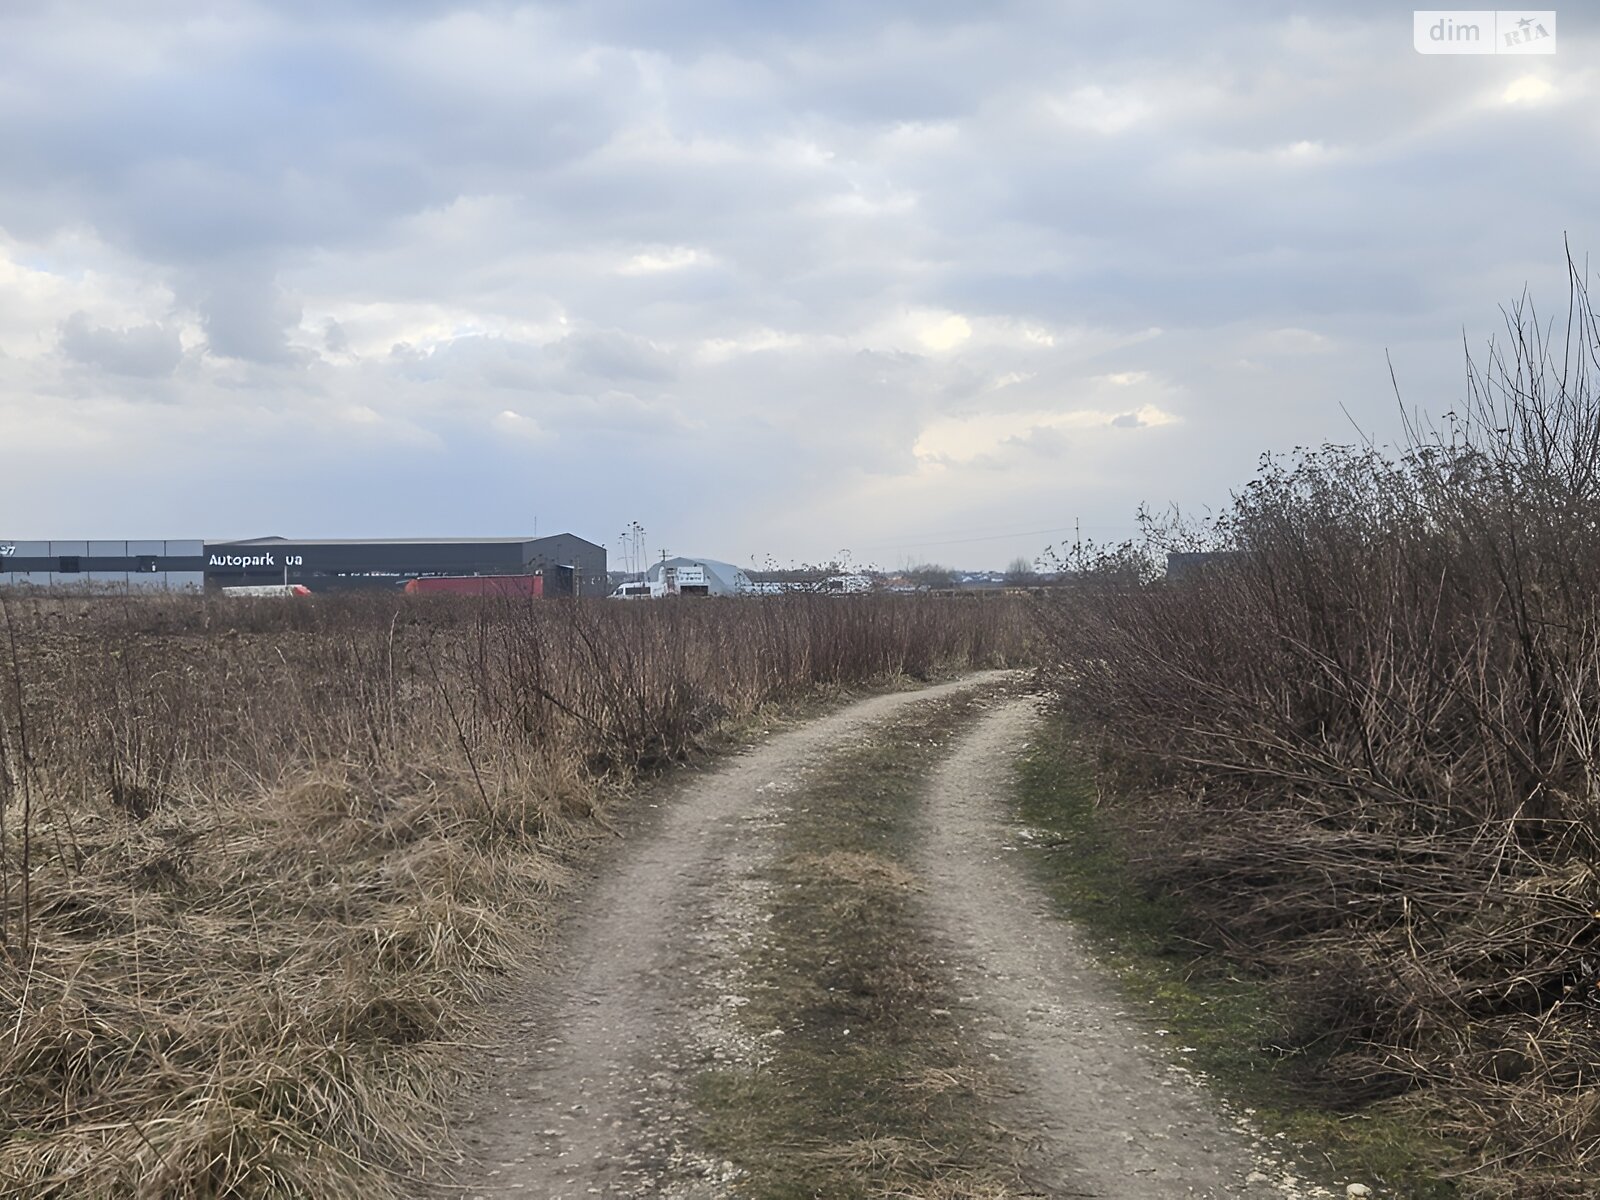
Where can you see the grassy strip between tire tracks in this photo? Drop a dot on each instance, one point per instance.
(869, 1091)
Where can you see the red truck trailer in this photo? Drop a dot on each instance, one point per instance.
(529, 587)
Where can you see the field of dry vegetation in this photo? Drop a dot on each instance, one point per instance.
(261, 863)
(1363, 751)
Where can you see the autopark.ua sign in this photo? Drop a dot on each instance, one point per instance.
(246, 561)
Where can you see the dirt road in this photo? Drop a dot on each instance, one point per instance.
(820, 972)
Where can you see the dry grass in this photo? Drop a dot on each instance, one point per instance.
(260, 864)
(860, 870)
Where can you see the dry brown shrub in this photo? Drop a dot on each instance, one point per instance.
(1363, 749)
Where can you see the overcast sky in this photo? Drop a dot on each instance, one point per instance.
(917, 280)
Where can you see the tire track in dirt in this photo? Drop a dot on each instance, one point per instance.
(584, 1099)
(1102, 1113)
(642, 996)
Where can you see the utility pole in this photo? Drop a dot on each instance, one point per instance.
(641, 557)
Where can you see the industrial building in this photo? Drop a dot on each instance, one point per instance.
(173, 565)
(687, 577)
(567, 565)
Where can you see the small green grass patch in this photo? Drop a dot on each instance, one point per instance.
(868, 1092)
(1226, 1020)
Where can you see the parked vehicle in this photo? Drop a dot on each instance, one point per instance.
(847, 585)
(521, 586)
(635, 591)
(258, 590)
(673, 580)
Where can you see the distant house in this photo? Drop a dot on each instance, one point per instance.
(1189, 564)
(980, 579)
(807, 580)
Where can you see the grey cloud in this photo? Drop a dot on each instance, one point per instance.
(585, 362)
(259, 136)
(149, 351)
(494, 362)
(246, 315)
(465, 180)
(1042, 442)
(612, 354)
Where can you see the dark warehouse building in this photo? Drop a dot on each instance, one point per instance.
(570, 564)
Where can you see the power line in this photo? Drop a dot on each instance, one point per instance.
(975, 531)
(993, 537)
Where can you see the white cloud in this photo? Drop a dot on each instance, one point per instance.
(373, 329)
(715, 350)
(671, 258)
(517, 425)
(1291, 340)
(1304, 151)
(943, 332)
(1529, 89)
(1102, 110)
(45, 284)
(951, 440)
(858, 203)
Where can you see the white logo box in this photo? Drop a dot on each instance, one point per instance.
(1484, 31)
